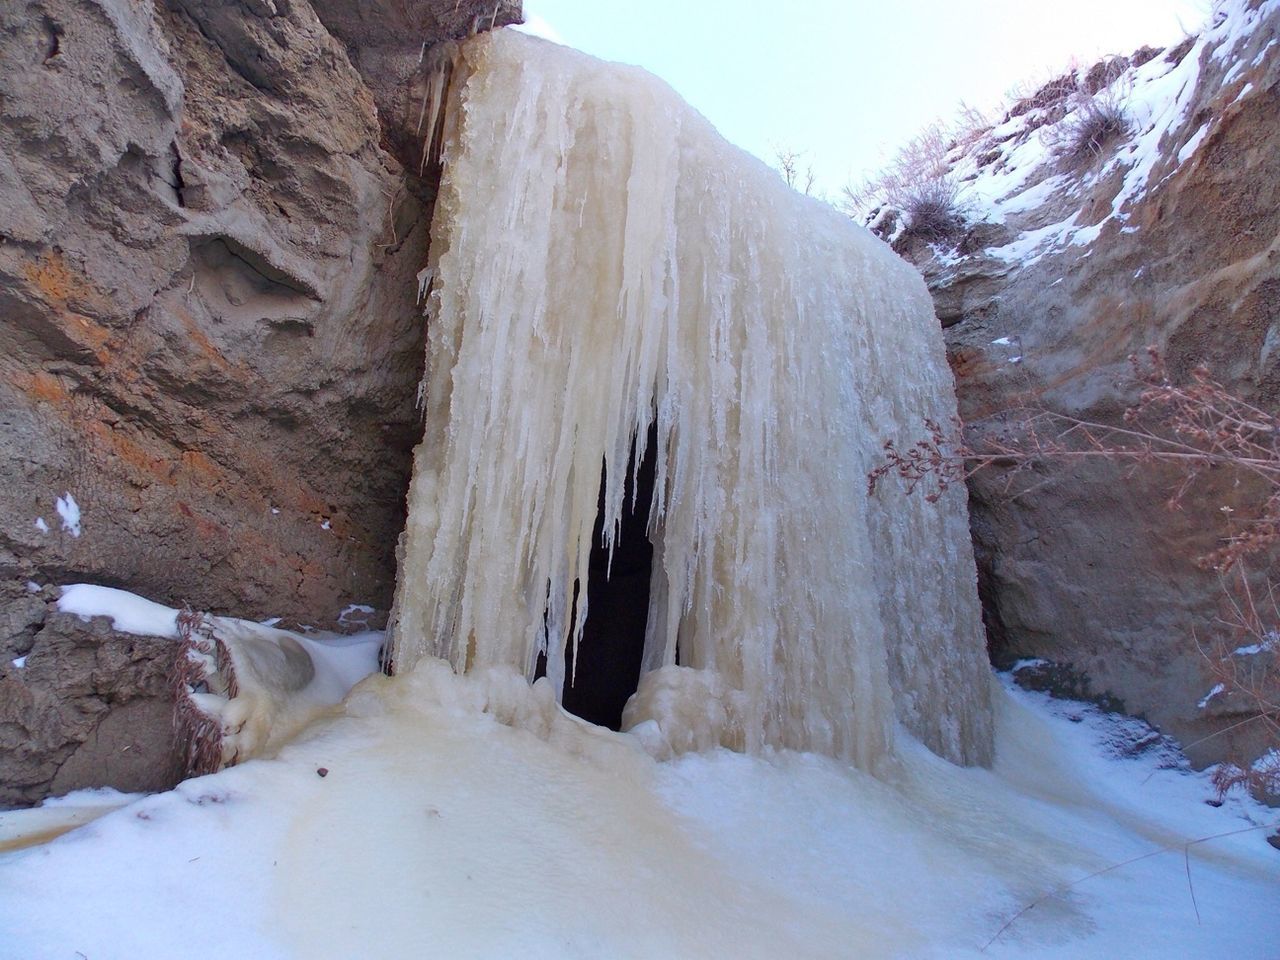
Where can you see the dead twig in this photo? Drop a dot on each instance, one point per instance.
(1184, 847)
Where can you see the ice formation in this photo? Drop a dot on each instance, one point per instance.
(602, 261)
(249, 689)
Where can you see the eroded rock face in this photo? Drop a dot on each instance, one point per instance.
(84, 706)
(1081, 562)
(209, 342)
(384, 39)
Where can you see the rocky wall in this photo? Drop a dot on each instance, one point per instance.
(209, 342)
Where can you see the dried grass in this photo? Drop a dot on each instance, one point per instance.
(1093, 126)
(200, 734)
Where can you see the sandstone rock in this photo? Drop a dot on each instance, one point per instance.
(384, 39)
(1082, 563)
(86, 707)
(209, 341)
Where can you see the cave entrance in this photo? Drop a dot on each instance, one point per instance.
(612, 645)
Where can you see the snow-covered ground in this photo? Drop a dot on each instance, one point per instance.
(469, 817)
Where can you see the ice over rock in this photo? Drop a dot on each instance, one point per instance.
(603, 263)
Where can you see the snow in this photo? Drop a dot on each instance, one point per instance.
(129, 613)
(1268, 642)
(325, 525)
(356, 613)
(19, 662)
(1217, 689)
(41, 525)
(886, 212)
(1268, 765)
(93, 797)
(56, 815)
(1031, 245)
(581, 294)
(1193, 144)
(469, 817)
(1023, 173)
(69, 511)
(33, 587)
(1003, 342)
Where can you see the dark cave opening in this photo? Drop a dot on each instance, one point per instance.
(612, 645)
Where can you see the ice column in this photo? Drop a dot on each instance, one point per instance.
(601, 260)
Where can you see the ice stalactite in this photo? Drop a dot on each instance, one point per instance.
(602, 261)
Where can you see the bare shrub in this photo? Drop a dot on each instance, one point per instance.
(933, 211)
(1198, 427)
(1195, 427)
(1242, 659)
(1104, 73)
(1051, 93)
(1143, 55)
(919, 183)
(788, 163)
(921, 159)
(970, 124)
(1094, 124)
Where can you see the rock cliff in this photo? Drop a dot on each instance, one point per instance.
(209, 346)
(1164, 232)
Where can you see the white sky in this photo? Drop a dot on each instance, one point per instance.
(847, 81)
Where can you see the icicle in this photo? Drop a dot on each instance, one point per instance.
(603, 261)
(439, 62)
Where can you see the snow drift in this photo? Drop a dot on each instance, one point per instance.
(468, 816)
(603, 263)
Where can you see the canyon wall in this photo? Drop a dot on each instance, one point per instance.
(1167, 235)
(209, 342)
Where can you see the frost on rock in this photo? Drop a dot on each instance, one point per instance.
(603, 262)
(69, 512)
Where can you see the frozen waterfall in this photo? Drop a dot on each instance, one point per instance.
(607, 271)
(602, 261)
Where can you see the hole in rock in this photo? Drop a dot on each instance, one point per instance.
(612, 644)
